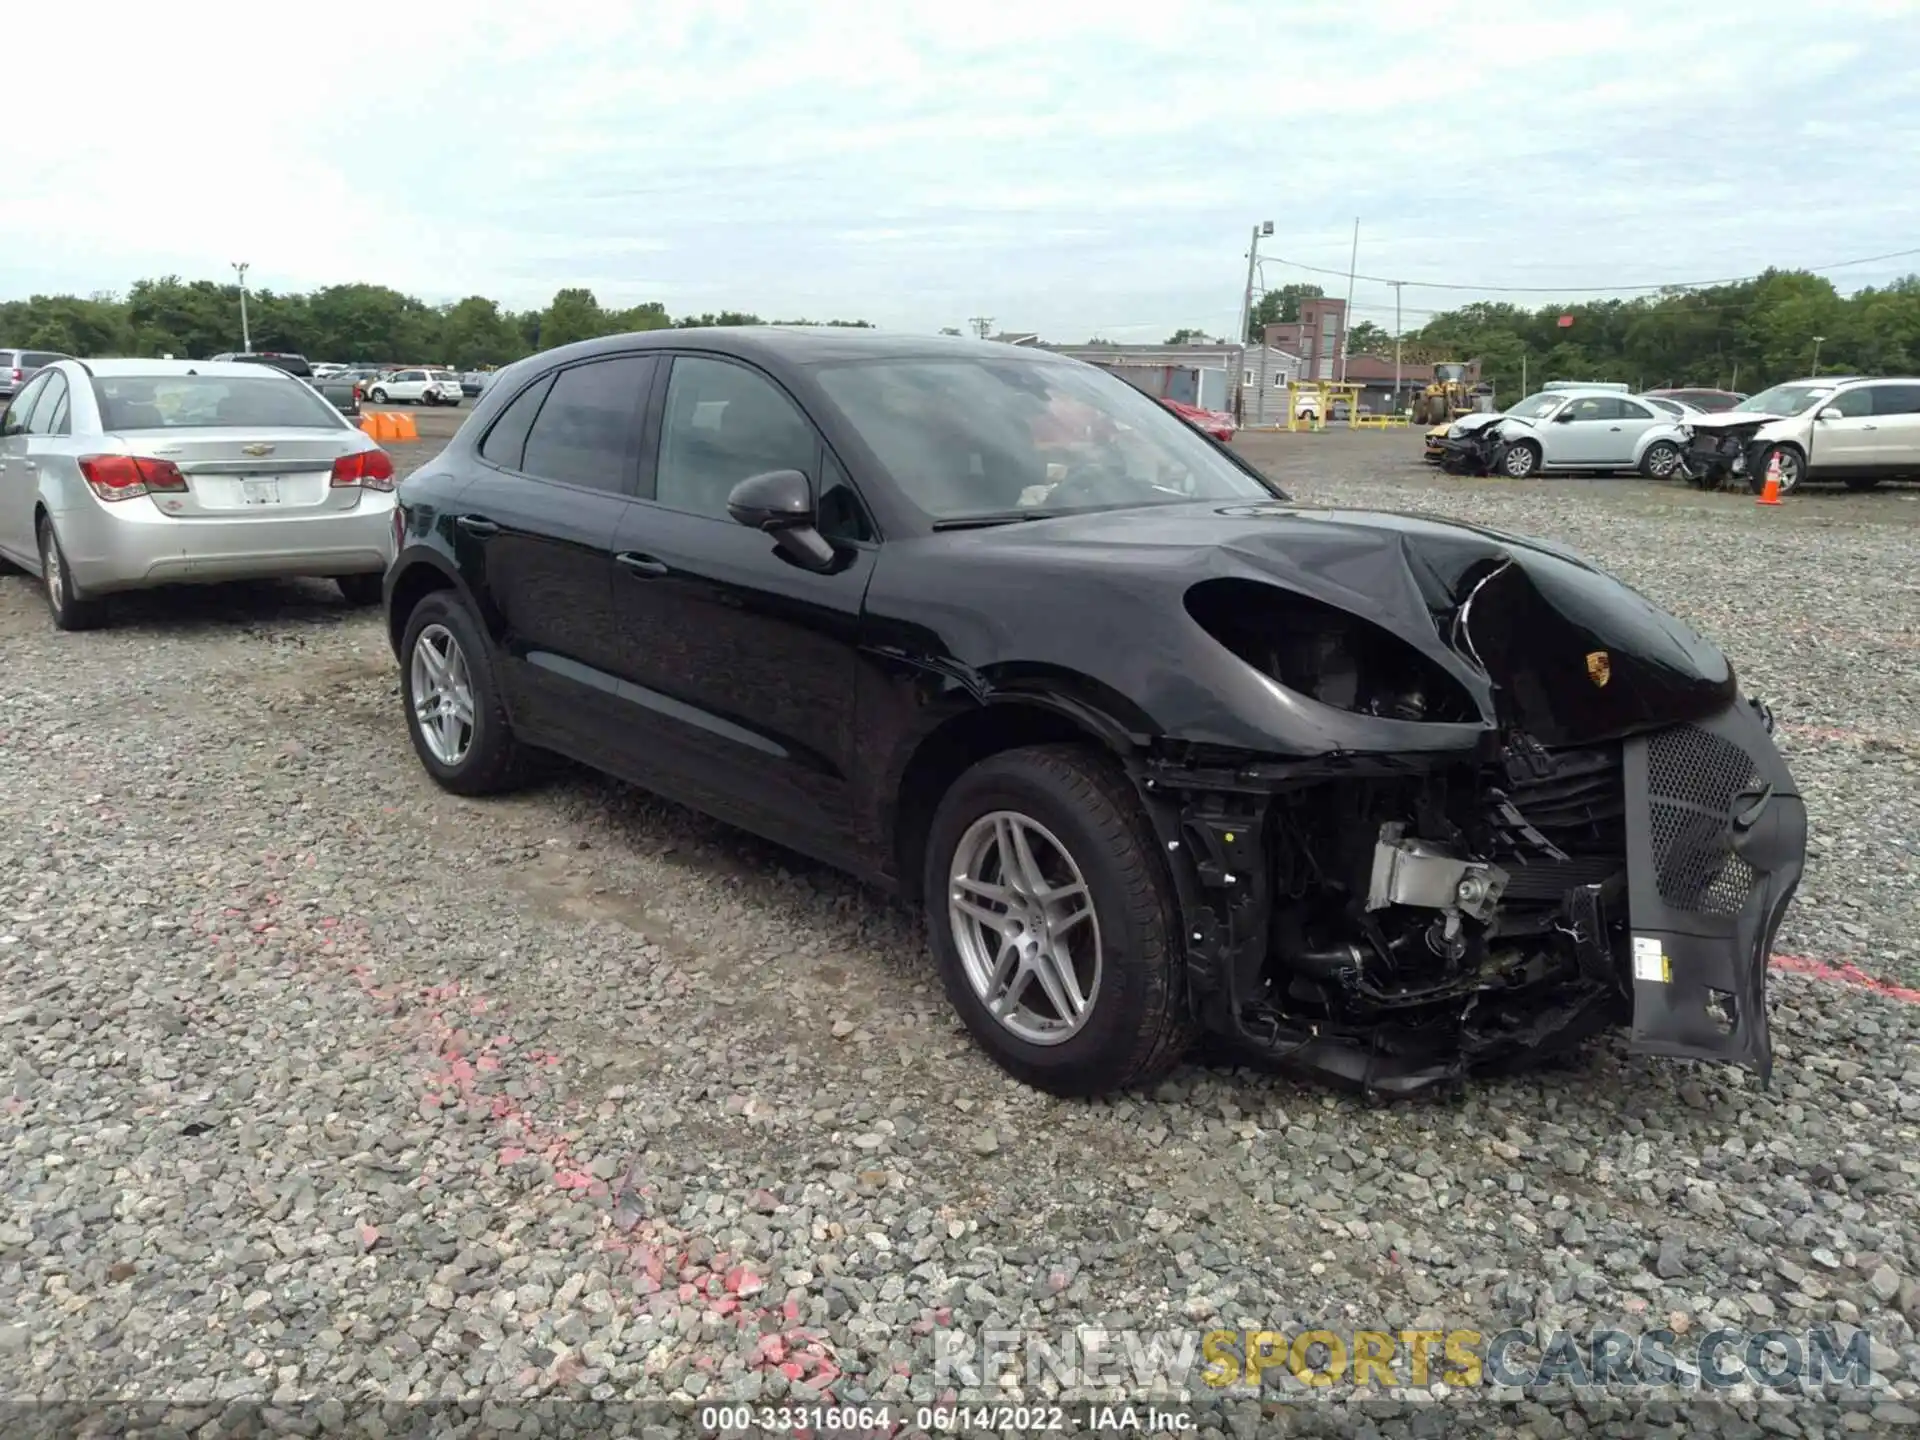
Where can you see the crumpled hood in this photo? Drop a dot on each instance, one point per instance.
(1719, 420)
(1573, 654)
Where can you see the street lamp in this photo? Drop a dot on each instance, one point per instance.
(246, 335)
(1816, 353)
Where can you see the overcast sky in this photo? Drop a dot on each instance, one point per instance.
(1072, 168)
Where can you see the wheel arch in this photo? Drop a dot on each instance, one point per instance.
(965, 738)
(418, 573)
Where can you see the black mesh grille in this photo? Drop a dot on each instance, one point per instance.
(1693, 779)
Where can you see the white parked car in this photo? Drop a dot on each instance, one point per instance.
(128, 474)
(1588, 429)
(1847, 428)
(416, 387)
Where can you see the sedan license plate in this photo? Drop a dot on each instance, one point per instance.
(260, 492)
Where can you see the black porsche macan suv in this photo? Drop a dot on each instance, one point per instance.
(1161, 752)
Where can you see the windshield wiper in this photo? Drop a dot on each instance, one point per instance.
(997, 517)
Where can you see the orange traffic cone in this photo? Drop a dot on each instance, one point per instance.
(1770, 492)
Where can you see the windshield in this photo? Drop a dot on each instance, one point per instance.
(977, 437)
(1785, 399)
(1534, 406)
(241, 402)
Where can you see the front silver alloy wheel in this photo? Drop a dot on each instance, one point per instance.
(1023, 922)
(1519, 462)
(442, 689)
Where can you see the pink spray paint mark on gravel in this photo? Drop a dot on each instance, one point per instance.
(446, 1021)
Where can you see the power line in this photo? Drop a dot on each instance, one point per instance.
(1572, 288)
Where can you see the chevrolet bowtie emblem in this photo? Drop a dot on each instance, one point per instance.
(1599, 667)
(256, 449)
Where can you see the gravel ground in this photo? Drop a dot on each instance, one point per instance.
(324, 1085)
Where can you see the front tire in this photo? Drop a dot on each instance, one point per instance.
(1052, 921)
(454, 712)
(1521, 461)
(1660, 461)
(70, 610)
(1793, 469)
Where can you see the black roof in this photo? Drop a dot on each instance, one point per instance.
(807, 344)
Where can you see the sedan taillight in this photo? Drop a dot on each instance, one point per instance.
(364, 469)
(125, 477)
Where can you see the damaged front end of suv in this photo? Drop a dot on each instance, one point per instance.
(1451, 802)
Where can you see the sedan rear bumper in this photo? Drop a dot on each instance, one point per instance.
(136, 547)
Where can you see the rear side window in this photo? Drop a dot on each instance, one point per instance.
(1896, 399)
(584, 434)
(21, 406)
(34, 359)
(506, 442)
(50, 410)
(240, 402)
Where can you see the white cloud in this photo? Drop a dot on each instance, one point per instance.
(1069, 166)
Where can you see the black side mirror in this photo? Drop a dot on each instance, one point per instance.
(1565, 417)
(780, 502)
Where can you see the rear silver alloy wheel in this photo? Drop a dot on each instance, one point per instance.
(1023, 922)
(442, 690)
(1661, 459)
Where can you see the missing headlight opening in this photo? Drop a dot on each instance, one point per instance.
(1397, 918)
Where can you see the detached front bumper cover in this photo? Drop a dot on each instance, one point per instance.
(1716, 845)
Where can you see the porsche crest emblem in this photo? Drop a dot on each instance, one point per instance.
(260, 449)
(1599, 667)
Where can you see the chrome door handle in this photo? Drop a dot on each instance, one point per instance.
(477, 525)
(636, 564)
(34, 465)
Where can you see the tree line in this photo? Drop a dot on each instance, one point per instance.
(1743, 336)
(193, 319)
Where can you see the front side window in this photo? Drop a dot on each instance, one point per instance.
(986, 438)
(585, 432)
(723, 424)
(1853, 404)
(240, 402)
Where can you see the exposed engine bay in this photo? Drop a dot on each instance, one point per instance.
(1724, 457)
(1398, 920)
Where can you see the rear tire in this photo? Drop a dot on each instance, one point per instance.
(1135, 1025)
(378, 397)
(70, 611)
(360, 589)
(491, 759)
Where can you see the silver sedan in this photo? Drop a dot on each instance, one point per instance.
(127, 474)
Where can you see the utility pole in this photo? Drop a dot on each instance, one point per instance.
(1396, 345)
(1265, 227)
(981, 325)
(246, 335)
(1346, 316)
(1524, 392)
(1816, 353)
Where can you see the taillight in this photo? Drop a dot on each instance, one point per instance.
(16, 374)
(399, 529)
(367, 469)
(123, 477)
